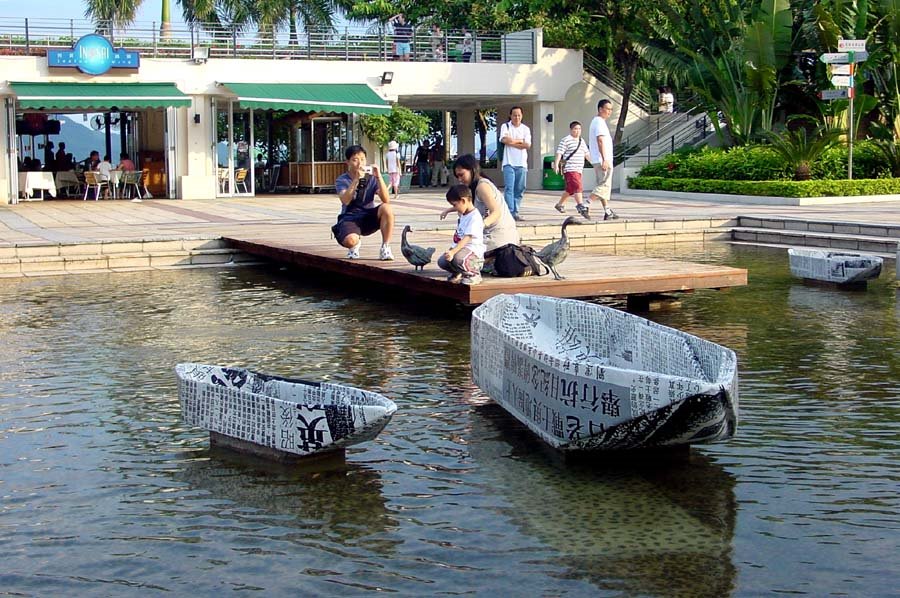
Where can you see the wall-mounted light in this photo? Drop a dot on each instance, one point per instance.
(549, 118)
(387, 77)
(200, 54)
(196, 119)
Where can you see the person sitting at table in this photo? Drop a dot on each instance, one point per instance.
(68, 162)
(125, 163)
(92, 161)
(24, 164)
(35, 165)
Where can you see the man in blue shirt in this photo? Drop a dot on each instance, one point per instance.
(360, 216)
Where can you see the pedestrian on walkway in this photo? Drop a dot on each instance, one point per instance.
(359, 216)
(569, 162)
(393, 167)
(516, 139)
(601, 145)
(423, 156)
(438, 170)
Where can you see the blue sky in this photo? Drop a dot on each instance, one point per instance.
(74, 9)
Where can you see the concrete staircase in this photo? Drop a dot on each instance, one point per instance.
(118, 256)
(879, 239)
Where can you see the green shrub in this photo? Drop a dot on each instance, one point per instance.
(744, 163)
(868, 162)
(781, 188)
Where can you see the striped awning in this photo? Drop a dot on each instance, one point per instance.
(97, 96)
(345, 98)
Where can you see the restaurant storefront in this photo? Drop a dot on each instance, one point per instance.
(286, 136)
(142, 113)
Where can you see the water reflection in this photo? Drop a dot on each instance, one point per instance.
(658, 526)
(343, 497)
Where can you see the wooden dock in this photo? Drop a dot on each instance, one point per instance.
(586, 274)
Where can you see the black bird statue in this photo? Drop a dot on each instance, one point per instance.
(415, 255)
(556, 252)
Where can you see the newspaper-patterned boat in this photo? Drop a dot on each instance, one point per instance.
(586, 377)
(271, 415)
(833, 266)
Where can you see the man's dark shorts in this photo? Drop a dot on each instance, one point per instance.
(360, 222)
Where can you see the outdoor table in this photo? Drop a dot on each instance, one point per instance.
(66, 179)
(29, 181)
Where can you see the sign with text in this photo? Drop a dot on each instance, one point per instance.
(843, 57)
(93, 54)
(842, 81)
(851, 45)
(835, 94)
(840, 69)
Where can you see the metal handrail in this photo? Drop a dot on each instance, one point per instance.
(691, 132)
(34, 36)
(615, 81)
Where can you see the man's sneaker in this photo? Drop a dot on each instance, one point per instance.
(560, 208)
(136, 200)
(517, 218)
(353, 252)
(454, 278)
(386, 255)
(583, 210)
(610, 215)
(470, 280)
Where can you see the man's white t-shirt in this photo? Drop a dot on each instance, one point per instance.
(103, 169)
(515, 156)
(471, 224)
(601, 129)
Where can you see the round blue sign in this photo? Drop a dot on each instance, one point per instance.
(93, 54)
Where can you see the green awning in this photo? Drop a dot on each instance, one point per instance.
(347, 98)
(99, 96)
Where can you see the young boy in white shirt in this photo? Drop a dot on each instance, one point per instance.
(466, 256)
(393, 167)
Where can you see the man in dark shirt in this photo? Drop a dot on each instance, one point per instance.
(402, 36)
(359, 215)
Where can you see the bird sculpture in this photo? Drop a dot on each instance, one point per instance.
(415, 255)
(556, 252)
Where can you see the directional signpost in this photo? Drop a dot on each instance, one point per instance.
(841, 68)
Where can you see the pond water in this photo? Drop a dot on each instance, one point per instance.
(103, 490)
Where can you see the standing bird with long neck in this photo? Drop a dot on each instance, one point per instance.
(556, 253)
(415, 255)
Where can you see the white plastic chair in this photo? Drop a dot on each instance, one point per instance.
(93, 181)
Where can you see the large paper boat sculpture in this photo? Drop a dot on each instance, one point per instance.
(271, 415)
(833, 266)
(586, 377)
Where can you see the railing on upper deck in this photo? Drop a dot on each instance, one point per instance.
(34, 36)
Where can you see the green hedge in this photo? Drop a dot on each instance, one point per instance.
(770, 188)
(761, 163)
(744, 163)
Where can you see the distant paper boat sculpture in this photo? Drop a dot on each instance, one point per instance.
(269, 413)
(833, 266)
(586, 377)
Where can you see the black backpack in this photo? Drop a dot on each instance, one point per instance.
(513, 260)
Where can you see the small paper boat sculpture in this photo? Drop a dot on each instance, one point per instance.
(586, 377)
(278, 415)
(833, 266)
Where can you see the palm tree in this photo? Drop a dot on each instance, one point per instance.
(108, 14)
(800, 148)
(165, 29)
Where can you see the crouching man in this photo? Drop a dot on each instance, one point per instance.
(360, 216)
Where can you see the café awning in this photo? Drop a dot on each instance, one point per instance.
(346, 98)
(97, 96)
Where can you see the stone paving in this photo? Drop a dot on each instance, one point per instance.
(77, 221)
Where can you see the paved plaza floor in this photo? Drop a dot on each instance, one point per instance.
(77, 221)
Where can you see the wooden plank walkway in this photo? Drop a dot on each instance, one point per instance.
(586, 274)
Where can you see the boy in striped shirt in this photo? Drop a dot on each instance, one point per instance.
(572, 149)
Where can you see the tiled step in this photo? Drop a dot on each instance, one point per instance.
(884, 246)
(46, 260)
(864, 229)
